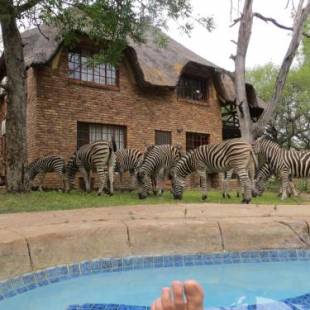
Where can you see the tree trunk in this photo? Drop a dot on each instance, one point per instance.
(244, 35)
(17, 98)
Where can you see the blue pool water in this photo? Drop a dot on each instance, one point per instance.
(224, 284)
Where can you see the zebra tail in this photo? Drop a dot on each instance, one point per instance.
(114, 147)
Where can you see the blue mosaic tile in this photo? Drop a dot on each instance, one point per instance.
(158, 261)
(178, 261)
(74, 270)
(31, 281)
(168, 261)
(148, 262)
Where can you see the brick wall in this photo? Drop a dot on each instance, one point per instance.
(57, 103)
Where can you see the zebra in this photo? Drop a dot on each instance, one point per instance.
(283, 162)
(158, 163)
(225, 189)
(232, 154)
(98, 155)
(263, 174)
(128, 160)
(41, 166)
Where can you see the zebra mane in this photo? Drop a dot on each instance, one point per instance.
(33, 163)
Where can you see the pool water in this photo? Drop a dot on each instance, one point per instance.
(224, 284)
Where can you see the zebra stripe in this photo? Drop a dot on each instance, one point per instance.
(41, 166)
(283, 162)
(158, 163)
(98, 155)
(263, 174)
(232, 154)
(128, 160)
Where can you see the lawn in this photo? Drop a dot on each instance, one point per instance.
(52, 200)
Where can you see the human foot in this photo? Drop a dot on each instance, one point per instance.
(181, 296)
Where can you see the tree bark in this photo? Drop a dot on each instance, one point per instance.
(17, 98)
(244, 35)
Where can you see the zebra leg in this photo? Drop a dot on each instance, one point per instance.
(111, 179)
(293, 189)
(133, 181)
(204, 183)
(285, 182)
(161, 180)
(102, 177)
(246, 187)
(226, 178)
(41, 177)
(224, 187)
(85, 175)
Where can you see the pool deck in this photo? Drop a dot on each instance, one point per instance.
(33, 241)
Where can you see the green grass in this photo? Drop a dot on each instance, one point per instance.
(52, 200)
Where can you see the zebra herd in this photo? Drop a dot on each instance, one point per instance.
(253, 164)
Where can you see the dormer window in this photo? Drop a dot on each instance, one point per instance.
(80, 68)
(192, 88)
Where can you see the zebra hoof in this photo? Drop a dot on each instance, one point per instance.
(246, 201)
(223, 195)
(177, 197)
(204, 197)
(141, 196)
(238, 195)
(110, 194)
(228, 196)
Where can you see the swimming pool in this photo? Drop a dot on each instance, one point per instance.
(230, 279)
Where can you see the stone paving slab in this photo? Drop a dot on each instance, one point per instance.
(32, 241)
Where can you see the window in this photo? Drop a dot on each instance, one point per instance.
(193, 140)
(162, 137)
(88, 133)
(80, 68)
(192, 88)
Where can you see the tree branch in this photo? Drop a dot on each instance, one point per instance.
(269, 19)
(27, 6)
(299, 21)
(272, 20)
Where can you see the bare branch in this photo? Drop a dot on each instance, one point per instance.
(300, 18)
(272, 20)
(236, 21)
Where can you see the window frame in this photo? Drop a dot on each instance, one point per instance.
(201, 136)
(162, 132)
(204, 88)
(87, 132)
(95, 77)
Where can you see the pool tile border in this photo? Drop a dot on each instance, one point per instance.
(29, 281)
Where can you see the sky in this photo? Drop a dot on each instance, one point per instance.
(268, 42)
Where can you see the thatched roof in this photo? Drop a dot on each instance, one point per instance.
(154, 66)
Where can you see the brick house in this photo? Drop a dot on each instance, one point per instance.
(155, 95)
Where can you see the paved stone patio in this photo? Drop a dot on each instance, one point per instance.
(32, 241)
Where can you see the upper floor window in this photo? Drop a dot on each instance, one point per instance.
(192, 88)
(81, 68)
